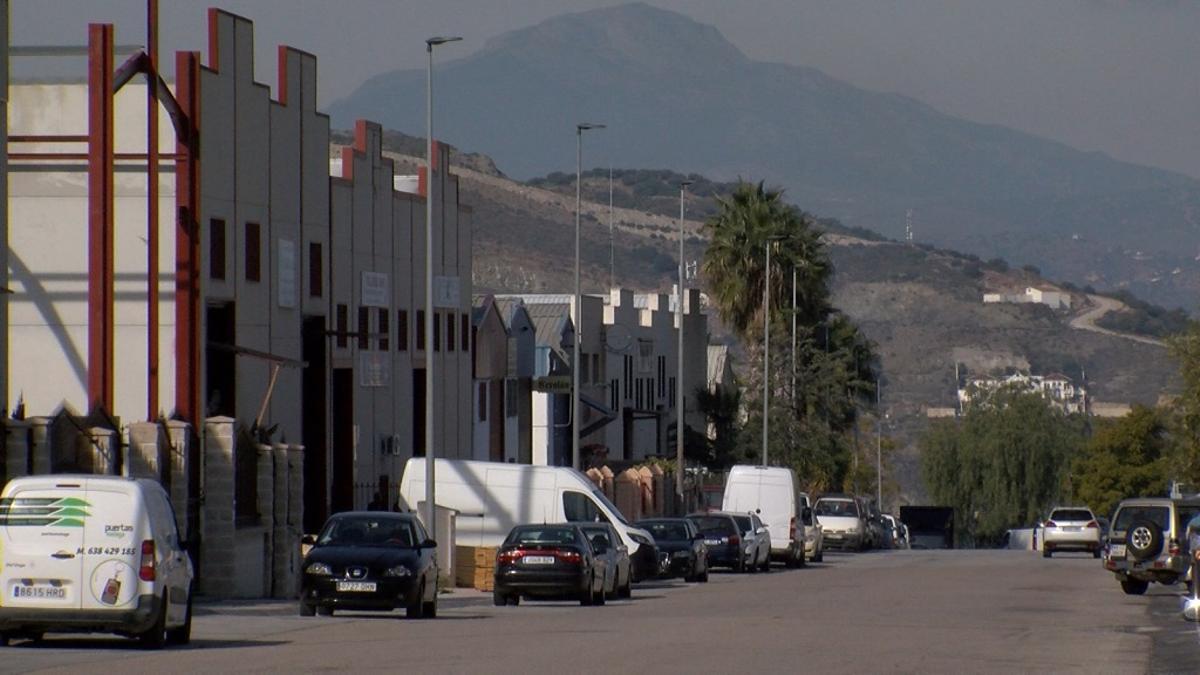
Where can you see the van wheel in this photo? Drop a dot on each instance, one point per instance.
(156, 636)
(429, 609)
(499, 599)
(183, 634)
(1134, 586)
(626, 590)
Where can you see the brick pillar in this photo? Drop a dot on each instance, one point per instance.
(39, 439)
(282, 581)
(140, 454)
(218, 544)
(104, 445)
(181, 448)
(295, 514)
(266, 513)
(16, 450)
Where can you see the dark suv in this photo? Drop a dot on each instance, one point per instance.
(1148, 542)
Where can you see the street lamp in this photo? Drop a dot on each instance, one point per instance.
(579, 129)
(767, 344)
(430, 510)
(679, 384)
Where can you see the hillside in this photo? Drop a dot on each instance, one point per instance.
(676, 94)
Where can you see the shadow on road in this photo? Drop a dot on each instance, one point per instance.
(118, 644)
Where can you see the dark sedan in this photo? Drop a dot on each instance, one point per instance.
(370, 561)
(682, 542)
(552, 562)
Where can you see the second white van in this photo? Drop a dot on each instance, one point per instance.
(774, 494)
(493, 497)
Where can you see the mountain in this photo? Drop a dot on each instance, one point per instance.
(676, 94)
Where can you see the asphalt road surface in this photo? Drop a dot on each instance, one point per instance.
(896, 611)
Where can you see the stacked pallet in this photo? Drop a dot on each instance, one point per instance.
(474, 567)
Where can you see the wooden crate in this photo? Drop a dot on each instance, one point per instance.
(474, 567)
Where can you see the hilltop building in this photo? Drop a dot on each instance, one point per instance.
(1043, 295)
(1061, 390)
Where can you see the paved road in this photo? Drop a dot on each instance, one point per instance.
(900, 611)
(1102, 306)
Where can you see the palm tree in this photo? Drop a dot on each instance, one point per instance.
(734, 264)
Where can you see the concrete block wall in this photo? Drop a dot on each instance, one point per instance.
(266, 513)
(39, 439)
(141, 453)
(218, 541)
(16, 449)
(102, 445)
(181, 446)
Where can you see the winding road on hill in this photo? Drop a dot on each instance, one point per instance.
(1102, 306)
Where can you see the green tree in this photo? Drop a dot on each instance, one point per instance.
(1126, 457)
(722, 409)
(1185, 419)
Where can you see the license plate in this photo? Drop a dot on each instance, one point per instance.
(712, 542)
(356, 586)
(1116, 551)
(1072, 528)
(40, 592)
(538, 560)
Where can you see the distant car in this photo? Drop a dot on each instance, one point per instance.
(620, 573)
(843, 522)
(1147, 542)
(370, 560)
(549, 562)
(1073, 528)
(756, 540)
(814, 533)
(897, 536)
(725, 537)
(683, 542)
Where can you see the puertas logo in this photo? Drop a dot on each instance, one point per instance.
(117, 531)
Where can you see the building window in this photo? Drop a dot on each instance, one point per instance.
(450, 342)
(613, 394)
(437, 333)
(510, 398)
(662, 375)
(402, 330)
(482, 402)
(597, 376)
(253, 252)
(466, 324)
(638, 387)
(343, 321)
(384, 332)
(671, 403)
(216, 249)
(628, 377)
(364, 328)
(420, 329)
(314, 269)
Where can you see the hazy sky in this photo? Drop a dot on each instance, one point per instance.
(1119, 76)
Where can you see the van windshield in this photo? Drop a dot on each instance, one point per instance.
(612, 508)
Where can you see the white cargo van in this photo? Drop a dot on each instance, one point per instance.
(493, 497)
(92, 554)
(774, 494)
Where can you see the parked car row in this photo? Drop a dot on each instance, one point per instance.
(855, 524)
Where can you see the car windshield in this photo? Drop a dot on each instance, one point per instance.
(1159, 515)
(368, 531)
(667, 531)
(743, 523)
(1071, 515)
(717, 525)
(546, 536)
(842, 508)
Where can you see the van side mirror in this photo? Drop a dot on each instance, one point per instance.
(308, 540)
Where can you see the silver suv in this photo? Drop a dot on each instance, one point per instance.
(1147, 542)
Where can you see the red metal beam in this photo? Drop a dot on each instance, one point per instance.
(61, 156)
(100, 215)
(47, 138)
(152, 408)
(187, 241)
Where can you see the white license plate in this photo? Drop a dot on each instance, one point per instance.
(1116, 551)
(712, 542)
(1072, 528)
(356, 587)
(538, 560)
(40, 592)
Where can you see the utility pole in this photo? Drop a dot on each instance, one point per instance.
(679, 424)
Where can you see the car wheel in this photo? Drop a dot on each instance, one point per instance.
(599, 598)
(752, 566)
(155, 637)
(820, 555)
(1134, 586)
(183, 634)
(307, 609)
(704, 576)
(416, 608)
(4, 639)
(429, 607)
(766, 564)
(739, 566)
(1144, 540)
(588, 596)
(1046, 553)
(626, 590)
(514, 600)
(499, 599)
(324, 611)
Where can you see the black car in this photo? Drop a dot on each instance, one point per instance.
(370, 561)
(620, 567)
(552, 562)
(683, 544)
(723, 539)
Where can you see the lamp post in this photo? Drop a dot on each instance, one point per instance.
(430, 509)
(878, 445)
(579, 129)
(679, 383)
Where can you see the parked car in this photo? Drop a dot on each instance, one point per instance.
(756, 541)
(896, 531)
(877, 533)
(93, 554)
(814, 533)
(1071, 528)
(370, 560)
(493, 497)
(1147, 542)
(843, 522)
(731, 542)
(773, 494)
(683, 542)
(549, 562)
(620, 573)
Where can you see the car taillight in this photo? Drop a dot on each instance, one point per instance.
(735, 540)
(1174, 548)
(1093, 524)
(569, 557)
(509, 556)
(1051, 523)
(146, 572)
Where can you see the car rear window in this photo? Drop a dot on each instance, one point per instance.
(1159, 515)
(843, 508)
(715, 525)
(542, 535)
(667, 531)
(1071, 515)
(743, 523)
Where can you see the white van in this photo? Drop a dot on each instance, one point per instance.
(493, 497)
(774, 494)
(83, 554)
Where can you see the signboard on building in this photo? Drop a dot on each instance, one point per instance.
(287, 273)
(553, 384)
(374, 369)
(446, 292)
(376, 291)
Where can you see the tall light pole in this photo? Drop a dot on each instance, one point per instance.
(430, 509)
(612, 255)
(579, 129)
(878, 445)
(766, 350)
(793, 332)
(679, 383)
